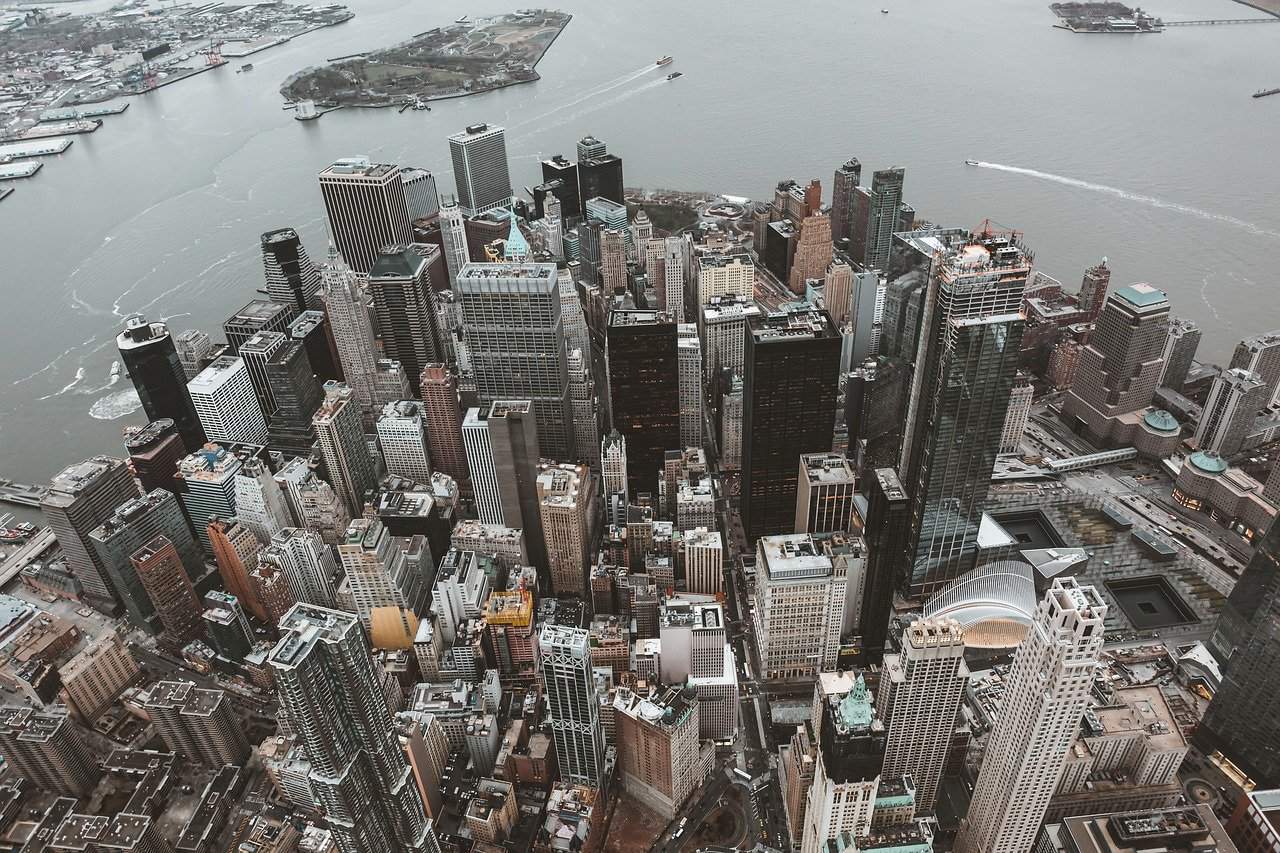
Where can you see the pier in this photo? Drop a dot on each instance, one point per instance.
(20, 494)
(26, 555)
(1213, 22)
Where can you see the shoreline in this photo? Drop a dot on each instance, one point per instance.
(449, 96)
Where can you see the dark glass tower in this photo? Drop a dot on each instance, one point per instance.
(565, 171)
(644, 396)
(844, 189)
(1243, 720)
(884, 216)
(291, 277)
(790, 385)
(298, 395)
(405, 305)
(887, 532)
(312, 330)
(966, 359)
(151, 360)
(154, 452)
(601, 176)
(259, 315)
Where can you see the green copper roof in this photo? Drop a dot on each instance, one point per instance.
(1141, 295)
(855, 708)
(1161, 421)
(517, 247)
(1209, 462)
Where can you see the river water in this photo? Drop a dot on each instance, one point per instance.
(1145, 149)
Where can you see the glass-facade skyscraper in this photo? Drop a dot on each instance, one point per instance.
(1243, 719)
(151, 360)
(644, 391)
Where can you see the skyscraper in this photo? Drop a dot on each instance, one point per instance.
(404, 303)
(313, 332)
(379, 572)
(257, 316)
(154, 451)
(255, 353)
(135, 523)
(1179, 352)
(402, 435)
(613, 261)
(558, 168)
(305, 562)
(453, 233)
(673, 259)
(919, 697)
(586, 409)
(513, 441)
(843, 189)
(165, 580)
(1119, 369)
(297, 394)
(813, 251)
(342, 446)
(79, 499)
(642, 358)
(724, 329)
(46, 748)
(484, 482)
(888, 534)
(1242, 720)
(442, 415)
(792, 366)
(825, 494)
(566, 497)
(704, 561)
(347, 308)
(564, 662)
(1236, 398)
(260, 503)
(329, 687)
(235, 549)
(292, 279)
(224, 397)
(884, 216)
(151, 361)
(516, 339)
(689, 355)
(965, 364)
(367, 209)
(1261, 355)
(198, 724)
(480, 168)
(730, 274)
(193, 347)
(420, 193)
(1046, 694)
(208, 489)
(599, 172)
(800, 602)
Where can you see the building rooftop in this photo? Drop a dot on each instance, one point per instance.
(800, 322)
(793, 557)
(638, 317)
(215, 375)
(827, 468)
(1141, 295)
(358, 166)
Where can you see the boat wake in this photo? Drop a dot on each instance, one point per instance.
(605, 104)
(608, 86)
(115, 405)
(1152, 201)
(65, 388)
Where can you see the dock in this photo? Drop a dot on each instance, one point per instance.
(34, 548)
(73, 113)
(1213, 22)
(5, 192)
(12, 172)
(21, 494)
(34, 148)
(62, 128)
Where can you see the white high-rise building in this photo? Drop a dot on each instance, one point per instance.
(402, 434)
(724, 333)
(347, 307)
(553, 220)
(480, 168)
(306, 563)
(689, 351)
(226, 403)
(613, 464)
(800, 601)
(378, 571)
(260, 504)
(453, 232)
(586, 410)
(576, 335)
(920, 690)
(461, 587)
(365, 203)
(342, 446)
(673, 277)
(484, 478)
(1046, 694)
(1015, 420)
(704, 561)
(564, 662)
(726, 274)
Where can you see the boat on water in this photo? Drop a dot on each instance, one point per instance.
(462, 20)
(971, 162)
(665, 60)
(1262, 93)
(248, 66)
(884, 11)
(674, 74)
(5, 192)
(115, 369)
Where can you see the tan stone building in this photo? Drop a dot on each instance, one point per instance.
(566, 498)
(96, 677)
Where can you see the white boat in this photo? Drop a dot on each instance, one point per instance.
(115, 369)
(665, 60)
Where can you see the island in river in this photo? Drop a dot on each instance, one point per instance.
(463, 59)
